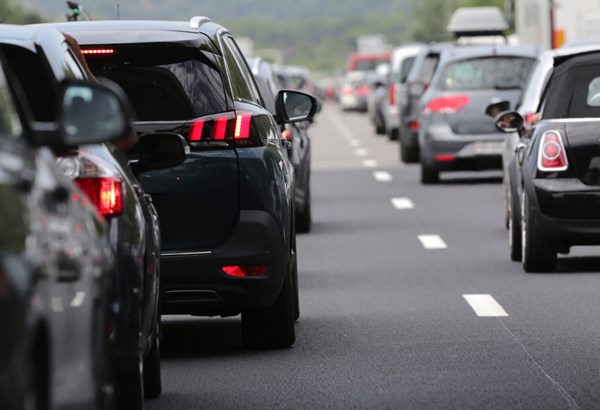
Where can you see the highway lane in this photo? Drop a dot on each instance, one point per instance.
(408, 300)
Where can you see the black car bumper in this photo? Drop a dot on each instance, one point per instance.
(193, 282)
(566, 210)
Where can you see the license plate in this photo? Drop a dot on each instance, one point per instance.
(488, 148)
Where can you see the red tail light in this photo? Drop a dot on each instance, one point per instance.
(363, 90)
(450, 104)
(552, 155)
(445, 157)
(244, 271)
(224, 128)
(287, 135)
(347, 90)
(392, 91)
(105, 193)
(414, 125)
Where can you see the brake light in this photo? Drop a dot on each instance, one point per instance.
(105, 193)
(414, 125)
(552, 156)
(445, 157)
(364, 90)
(447, 105)
(97, 51)
(287, 135)
(244, 271)
(222, 128)
(347, 90)
(392, 92)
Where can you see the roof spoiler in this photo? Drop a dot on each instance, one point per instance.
(197, 21)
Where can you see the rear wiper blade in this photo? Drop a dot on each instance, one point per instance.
(507, 86)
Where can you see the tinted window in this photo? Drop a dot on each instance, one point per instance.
(405, 69)
(242, 82)
(167, 84)
(573, 93)
(10, 124)
(593, 94)
(486, 73)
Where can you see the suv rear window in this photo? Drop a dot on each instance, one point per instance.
(500, 73)
(164, 83)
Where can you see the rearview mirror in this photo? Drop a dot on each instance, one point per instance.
(496, 107)
(509, 121)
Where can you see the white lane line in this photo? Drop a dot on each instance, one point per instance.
(78, 299)
(432, 242)
(354, 143)
(370, 163)
(382, 176)
(485, 306)
(361, 152)
(402, 203)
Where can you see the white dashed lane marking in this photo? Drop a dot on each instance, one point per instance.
(402, 203)
(485, 306)
(370, 163)
(361, 152)
(432, 242)
(382, 176)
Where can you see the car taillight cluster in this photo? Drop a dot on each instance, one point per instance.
(363, 90)
(447, 105)
(552, 156)
(105, 193)
(103, 190)
(392, 93)
(226, 127)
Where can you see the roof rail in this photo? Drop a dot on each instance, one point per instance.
(196, 21)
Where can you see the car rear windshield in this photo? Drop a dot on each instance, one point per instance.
(164, 83)
(500, 73)
(574, 93)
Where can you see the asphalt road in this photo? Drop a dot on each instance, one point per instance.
(408, 300)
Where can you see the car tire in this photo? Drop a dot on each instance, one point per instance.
(152, 374)
(304, 217)
(295, 290)
(538, 252)
(506, 188)
(392, 134)
(429, 175)
(36, 392)
(271, 327)
(130, 387)
(514, 227)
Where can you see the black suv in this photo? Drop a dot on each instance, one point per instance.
(227, 212)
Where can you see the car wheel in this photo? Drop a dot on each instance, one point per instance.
(35, 395)
(392, 134)
(538, 252)
(295, 291)
(428, 174)
(271, 327)
(304, 217)
(506, 189)
(152, 378)
(514, 227)
(130, 387)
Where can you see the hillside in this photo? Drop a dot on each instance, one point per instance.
(277, 10)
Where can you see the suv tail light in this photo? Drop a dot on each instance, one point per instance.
(363, 90)
(244, 271)
(392, 92)
(552, 156)
(105, 191)
(222, 129)
(447, 105)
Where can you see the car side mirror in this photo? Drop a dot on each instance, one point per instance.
(159, 151)
(93, 112)
(294, 106)
(509, 121)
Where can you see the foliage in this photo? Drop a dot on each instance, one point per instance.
(14, 13)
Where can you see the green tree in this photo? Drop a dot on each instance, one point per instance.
(13, 13)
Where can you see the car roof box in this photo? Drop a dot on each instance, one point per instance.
(477, 21)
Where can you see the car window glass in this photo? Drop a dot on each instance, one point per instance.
(593, 94)
(33, 78)
(171, 85)
(241, 78)
(10, 124)
(405, 68)
(71, 67)
(486, 73)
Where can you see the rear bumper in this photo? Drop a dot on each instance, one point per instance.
(566, 210)
(192, 281)
(444, 150)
